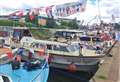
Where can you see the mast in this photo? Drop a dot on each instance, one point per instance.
(99, 13)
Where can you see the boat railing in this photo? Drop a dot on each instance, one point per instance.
(39, 74)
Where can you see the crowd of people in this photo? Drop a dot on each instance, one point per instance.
(30, 59)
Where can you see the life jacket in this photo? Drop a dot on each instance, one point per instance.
(18, 58)
(10, 55)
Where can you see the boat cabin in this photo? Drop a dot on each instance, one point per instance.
(66, 49)
(68, 33)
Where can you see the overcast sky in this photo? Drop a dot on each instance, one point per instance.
(107, 7)
(32, 3)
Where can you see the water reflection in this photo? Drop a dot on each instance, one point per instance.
(59, 75)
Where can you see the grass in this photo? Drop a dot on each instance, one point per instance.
(41, 33)
(102, 77)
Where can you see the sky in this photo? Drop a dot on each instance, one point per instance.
(107, 8)
(32, 3)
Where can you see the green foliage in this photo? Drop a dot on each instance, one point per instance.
(102, 77)
(27, 17)
(69, 24)
(41, 33)
(64, 23)
(33, 22)
(73, 24)
(51, 23)
(117, 26)
(9, 23)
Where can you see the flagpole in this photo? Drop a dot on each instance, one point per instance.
(99, 13)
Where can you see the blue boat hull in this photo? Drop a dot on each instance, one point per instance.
(22, 75)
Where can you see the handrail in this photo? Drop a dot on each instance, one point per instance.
(39, 72)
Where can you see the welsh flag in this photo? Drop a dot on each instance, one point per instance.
(49, 11)
(31, 15)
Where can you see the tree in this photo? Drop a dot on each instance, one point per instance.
(117, 26)
(73, 24)
(31, 19)
(27, 17)
(51, 23)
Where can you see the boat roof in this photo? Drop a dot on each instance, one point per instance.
(50, 42)
(68, 30)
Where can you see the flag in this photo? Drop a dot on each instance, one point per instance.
(49, 11)
(31, 15)
(68, 9)
(113, 17)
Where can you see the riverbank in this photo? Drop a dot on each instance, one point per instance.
(109, 70)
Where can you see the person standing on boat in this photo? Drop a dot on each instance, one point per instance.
(16, 62)
(18, 58)
(21, 51)
(44, 53)
(31, 53)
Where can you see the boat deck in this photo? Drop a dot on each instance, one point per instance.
(22, 75)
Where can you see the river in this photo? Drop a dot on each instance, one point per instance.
(59, 75)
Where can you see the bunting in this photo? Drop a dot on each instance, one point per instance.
(70, 8)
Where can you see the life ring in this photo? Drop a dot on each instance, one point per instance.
(72, 67)
(41, 52)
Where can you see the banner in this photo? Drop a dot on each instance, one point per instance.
(70, 8)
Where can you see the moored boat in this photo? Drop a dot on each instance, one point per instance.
(26, 70)
(62, 55)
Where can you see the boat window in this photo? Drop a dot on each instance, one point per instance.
(58, 33)
(74, 47)
(38, 45)
(60, 48)
(49, 47)
(68, 34)
(85, 38)
(64, 34)
(96, 39)
(2, 41)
